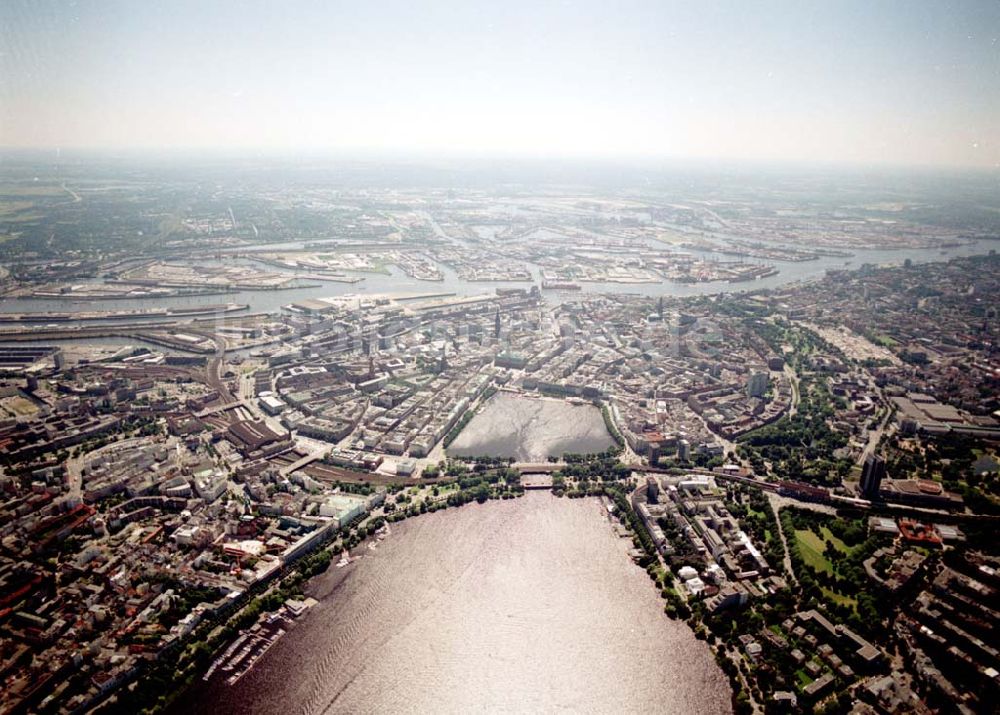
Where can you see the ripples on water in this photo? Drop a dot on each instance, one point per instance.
(529, 605)
(531, 429)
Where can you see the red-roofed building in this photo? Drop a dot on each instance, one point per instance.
(916, 532)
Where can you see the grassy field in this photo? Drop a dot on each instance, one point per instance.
(811, 547)
(837, 543)
(19, 406)
(840, 598)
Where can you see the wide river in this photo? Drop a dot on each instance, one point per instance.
(396, 282)
(531, 429)
(527, 605)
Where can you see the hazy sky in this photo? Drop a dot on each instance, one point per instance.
(911, 82)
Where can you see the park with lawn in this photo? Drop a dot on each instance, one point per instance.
(827, 556)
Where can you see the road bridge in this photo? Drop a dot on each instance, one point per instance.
(304, 461)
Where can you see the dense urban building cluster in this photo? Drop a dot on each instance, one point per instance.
(808, 471)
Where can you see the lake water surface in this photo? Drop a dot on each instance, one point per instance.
(527, 605)
(532, 429)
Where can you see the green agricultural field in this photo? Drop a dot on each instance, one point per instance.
(32, 189)
(8, 208)
(22, 218)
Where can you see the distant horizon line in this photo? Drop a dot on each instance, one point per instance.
(300, 155)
